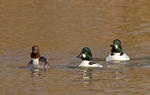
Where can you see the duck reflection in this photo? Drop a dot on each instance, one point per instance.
(86, 76)
(118, 75)
(36, 71)
(86, 73)
(116, 68)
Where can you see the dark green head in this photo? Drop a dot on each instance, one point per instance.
(117, 42)
(87, 52)
(116, 47)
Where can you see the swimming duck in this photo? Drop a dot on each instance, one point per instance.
(116, 52)
(37, 61)
(86, 56)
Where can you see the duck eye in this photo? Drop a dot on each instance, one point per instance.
(85, 52)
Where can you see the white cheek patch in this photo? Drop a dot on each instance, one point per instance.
(116, 46)
(83, 55)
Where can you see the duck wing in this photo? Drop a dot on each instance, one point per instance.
(93, 62)
(43, 62)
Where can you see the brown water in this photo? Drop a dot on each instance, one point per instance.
(62, 28)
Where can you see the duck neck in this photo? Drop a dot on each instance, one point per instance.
(35, 61)
(35, 55)
(118, 50)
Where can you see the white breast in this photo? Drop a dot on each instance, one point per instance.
(117, 57)
(35, 61)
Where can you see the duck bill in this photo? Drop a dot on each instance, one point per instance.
(78, 56)
(111, 45)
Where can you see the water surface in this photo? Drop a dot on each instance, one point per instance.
(62, 28)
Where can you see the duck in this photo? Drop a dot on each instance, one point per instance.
(37, 61)
(86, 56)
(117, 53)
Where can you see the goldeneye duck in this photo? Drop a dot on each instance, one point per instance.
(116, 52)
(37, 61)
(86, 56)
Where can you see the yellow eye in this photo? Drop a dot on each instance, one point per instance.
(85, 53)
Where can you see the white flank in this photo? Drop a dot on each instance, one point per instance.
(85, 63)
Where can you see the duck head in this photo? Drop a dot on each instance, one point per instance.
(86, 54)
(35, 52)
(117, 45)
